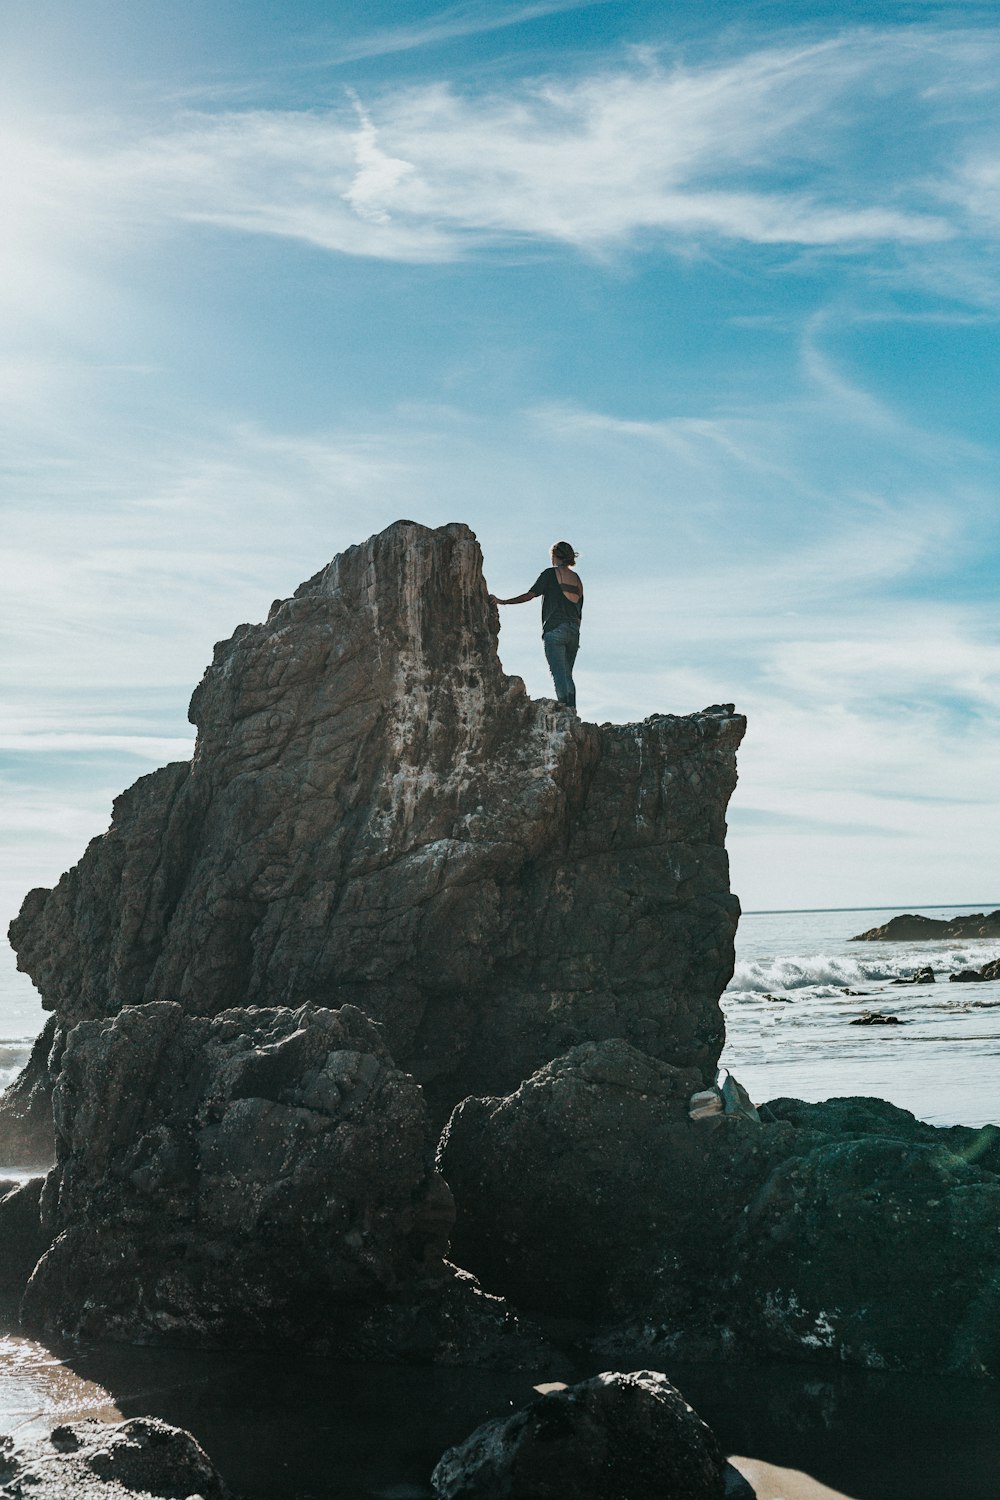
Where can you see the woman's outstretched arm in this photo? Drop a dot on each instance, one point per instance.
(520, 599)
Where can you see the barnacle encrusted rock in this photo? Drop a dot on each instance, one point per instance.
(377, 815)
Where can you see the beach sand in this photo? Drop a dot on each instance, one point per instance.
(773, 1483)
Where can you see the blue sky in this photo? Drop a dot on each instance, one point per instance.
(711, 290)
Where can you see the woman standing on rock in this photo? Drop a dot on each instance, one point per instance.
(561, 593)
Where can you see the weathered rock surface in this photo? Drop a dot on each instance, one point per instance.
(909, 928)
(550, 1180)
(377, 815)
(107, 1461)
(22, 1239)
(847, 1231)
(263, 1176)
(615, 1437)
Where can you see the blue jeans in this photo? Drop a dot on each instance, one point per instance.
(561, 646)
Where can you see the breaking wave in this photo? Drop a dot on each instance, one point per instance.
(13, 1056)
(839, 972)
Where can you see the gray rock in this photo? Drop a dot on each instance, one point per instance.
(846, 1232)
(259, 1177)
(91, 1460)
(909, 928)
(550, 1180)
(377, 815)
(22, 1238)
(615, 1437)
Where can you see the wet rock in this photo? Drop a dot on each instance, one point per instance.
(22, 1239)
(846, 1232)
(919, 976)
(264, 1176)
(615, 1437)
(910, 928)
(991, 970)
(875, 1018)
(966, 976)
(377, 815)
(104, 1461)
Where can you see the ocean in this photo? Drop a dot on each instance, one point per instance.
(788, 1015)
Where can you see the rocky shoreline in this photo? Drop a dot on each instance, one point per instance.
(392, 895)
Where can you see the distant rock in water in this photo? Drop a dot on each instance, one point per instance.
(376, 815)
(987, 973)
(875, 1018)
(909, 928)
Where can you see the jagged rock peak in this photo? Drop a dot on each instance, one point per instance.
(377, 815)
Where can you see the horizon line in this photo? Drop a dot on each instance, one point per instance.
(901, 907)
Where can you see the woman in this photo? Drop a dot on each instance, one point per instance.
(562, 609)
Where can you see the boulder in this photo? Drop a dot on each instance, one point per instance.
(845, 1233)
(376, 815)
(94, 1460)
(554, 1181)
(875, 1018)
(912, 928)
(966, 976)
(260, 1177)
(919, 976)
(615, 1437)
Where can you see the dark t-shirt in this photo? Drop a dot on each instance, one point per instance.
(556, 608)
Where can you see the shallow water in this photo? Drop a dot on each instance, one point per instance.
(287, 1428)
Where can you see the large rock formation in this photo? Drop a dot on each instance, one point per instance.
(844, 1232)
(376, 815)
(259, 1177)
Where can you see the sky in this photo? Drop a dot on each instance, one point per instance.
(709, 290)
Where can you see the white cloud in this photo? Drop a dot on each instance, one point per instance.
(763, 148)
(377, 175)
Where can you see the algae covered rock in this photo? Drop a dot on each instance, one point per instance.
(846, 1232)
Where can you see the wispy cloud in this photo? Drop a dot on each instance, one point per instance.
(447, 26)
(763, 148)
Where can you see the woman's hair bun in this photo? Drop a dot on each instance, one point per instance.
(564, 552)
